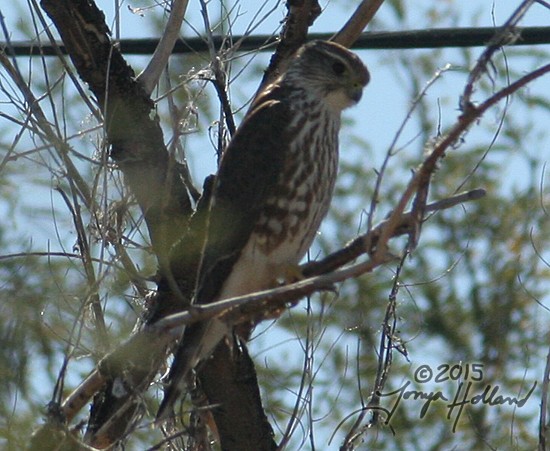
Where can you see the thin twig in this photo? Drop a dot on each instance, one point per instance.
(504, 36)
(92, 281)
(41, 122)
(385, 357)
(392, 148)
(353, 28)
(151, 74)
(220, 79)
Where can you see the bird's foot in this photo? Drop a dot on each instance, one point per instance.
(289, 273)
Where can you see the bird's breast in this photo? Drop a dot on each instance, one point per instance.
(300, 200)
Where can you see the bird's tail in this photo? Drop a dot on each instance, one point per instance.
(198, 342)
(184, 360)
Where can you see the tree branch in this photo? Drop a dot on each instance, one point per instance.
(321, 275)
(301, 15)
(355, 25)
(151, 74)
(131, 125)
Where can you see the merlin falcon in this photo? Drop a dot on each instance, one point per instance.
(272, 190)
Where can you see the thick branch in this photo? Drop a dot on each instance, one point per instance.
(131, 123)
(133, 130)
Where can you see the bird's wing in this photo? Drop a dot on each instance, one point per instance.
(248, 174)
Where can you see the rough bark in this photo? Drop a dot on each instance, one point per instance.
(137, 146)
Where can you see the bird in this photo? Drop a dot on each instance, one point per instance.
(273, 188)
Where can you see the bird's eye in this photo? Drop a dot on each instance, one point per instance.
(338, 68)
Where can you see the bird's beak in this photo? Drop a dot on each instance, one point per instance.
(355, 92)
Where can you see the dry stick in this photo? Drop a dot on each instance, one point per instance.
(48, 254)
(391, 150)
(82, 241)
(122, 255)
(500, 39)
(220, 79)
(306, 385)
(470, 115)
(151, 75)
(59, 144)
(353, 28)
(168, 329)
(384, 363)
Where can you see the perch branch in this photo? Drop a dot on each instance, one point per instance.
(321, 275)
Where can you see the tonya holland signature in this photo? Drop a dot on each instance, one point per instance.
(468, 391)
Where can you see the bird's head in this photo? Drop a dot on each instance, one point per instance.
(335, 73)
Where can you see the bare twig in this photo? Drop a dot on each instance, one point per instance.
(353, 28)
(385, 357)
(151, 75)
(304, 393)
(504, 36)
(84, 249)
(220, 79)
(39, 119)
(392, 148)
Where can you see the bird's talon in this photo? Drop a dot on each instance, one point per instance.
(290, 273)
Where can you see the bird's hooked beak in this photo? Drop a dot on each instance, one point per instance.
(349, 89)
(355, 92)
(357, 84)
